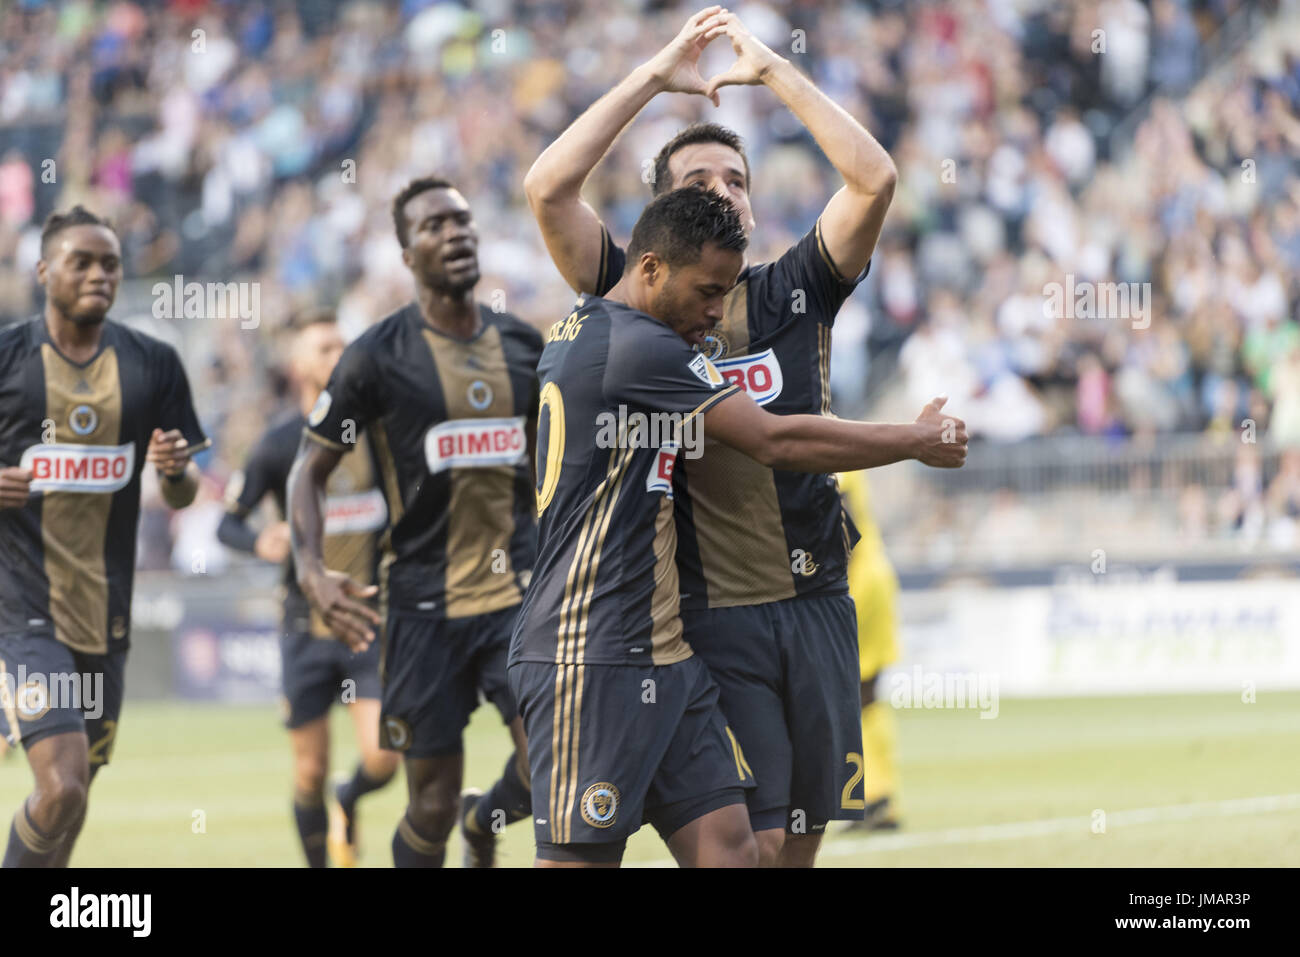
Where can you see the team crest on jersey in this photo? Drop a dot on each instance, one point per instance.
(715, 345)
(83, 420)
(118, 629)
(33, 700)
(79, 468)
(479, 394)
(320, 409)
(600, 804)
(759, 375)
(397, 733)
(705, 370)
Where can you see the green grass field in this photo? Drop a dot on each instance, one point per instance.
(1019, 790)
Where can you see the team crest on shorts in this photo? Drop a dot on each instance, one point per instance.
(83, 420)
(397, 734)
(600, 804)
(33, 700)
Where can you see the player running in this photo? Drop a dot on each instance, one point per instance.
(81, 396)
(316, 671)
(776, 627)
(624, 724)
(446, 391)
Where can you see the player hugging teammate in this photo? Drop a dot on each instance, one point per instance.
(761, 552)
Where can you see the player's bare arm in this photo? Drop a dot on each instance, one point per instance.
(338, 598)
(15, 486)
(817, 443)
(553, 185)
(853, 218)
(178, 476)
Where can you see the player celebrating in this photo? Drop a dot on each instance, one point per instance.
(780, 619)
(80, 397)
(623, 721)
(316, 672)
(447, 390)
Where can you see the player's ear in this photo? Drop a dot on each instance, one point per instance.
(651, 268)
(42, 271)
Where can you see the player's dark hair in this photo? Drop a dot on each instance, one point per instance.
(412, 189)
(677, 225)
(695, 133)
(312, 316)
(78, 215)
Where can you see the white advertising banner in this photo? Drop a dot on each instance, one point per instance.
(1099, 639)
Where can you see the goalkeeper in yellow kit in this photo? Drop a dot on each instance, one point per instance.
(874, 588)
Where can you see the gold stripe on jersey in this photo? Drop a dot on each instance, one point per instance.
(481, 507)
(824, 365)
(74, 525)
(567, 720)
(826, 253)
(666, 645)
(736, 512)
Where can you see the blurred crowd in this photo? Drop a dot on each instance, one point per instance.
(1038, 142)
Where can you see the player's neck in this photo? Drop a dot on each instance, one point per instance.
(76, 340)
(456, 316)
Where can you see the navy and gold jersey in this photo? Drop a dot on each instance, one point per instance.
(748, 534)
(448, 422)
(604, 588)
(355, 512)
(67, 559)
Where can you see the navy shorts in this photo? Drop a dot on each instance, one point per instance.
(433, 670)
(314, 671)
(787, 672)
(47, 688)
(613, 746)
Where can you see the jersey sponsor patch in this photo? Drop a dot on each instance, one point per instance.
(475, 443)
(360, 512)
(705, 370)
(759, 375)
(79, 468)
(660, 478)
(320, 409)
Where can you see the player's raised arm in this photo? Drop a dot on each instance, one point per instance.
(817, 443)
(336, 596)
(571, 228)
(853, 218)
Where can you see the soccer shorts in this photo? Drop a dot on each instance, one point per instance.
(787, 672)
(314, 671)
(47, 688)
(433, 670)
(613, 746)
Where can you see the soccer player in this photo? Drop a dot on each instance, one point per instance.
(623, 721)
(81, 397)
(874, 587)
(775, 627)
(446, 390)
(315, 669)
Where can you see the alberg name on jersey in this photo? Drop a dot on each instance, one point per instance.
(447, 422)
(67, 559)
(747, 534)
(605, 586)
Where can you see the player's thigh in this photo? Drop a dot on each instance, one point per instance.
(309, 677)
(823, 695)
(597, 735)
(491, 649)
(703, 769)
(36, 672)
(742, 651)
(429, 687)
